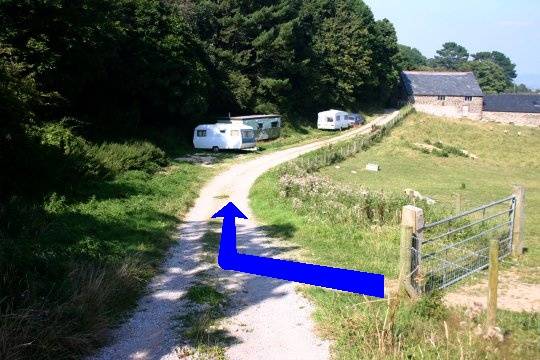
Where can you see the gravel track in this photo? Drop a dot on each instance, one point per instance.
(267, 318)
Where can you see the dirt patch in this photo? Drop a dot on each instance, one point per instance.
(203, 159)
(515, 294)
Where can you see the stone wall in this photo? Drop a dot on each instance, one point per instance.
(522, 119)
(451, 106)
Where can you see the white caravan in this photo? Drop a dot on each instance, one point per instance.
(333, 120)
(223, 136)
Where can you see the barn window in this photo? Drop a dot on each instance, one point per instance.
(468, 98)
(201, 133)
(274, 124)
(441, 97)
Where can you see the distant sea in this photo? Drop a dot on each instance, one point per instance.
(531, 80)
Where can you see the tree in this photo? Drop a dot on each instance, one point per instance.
(500, 59)
(411, 58)
(452, 56)
(490, 76)
(356, 56)
(251, 46)
(296, 57)
(518, 88)
(115, 63)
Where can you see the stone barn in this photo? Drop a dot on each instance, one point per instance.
(451, 94)
(518, 109)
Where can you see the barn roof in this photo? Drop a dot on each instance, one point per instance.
(525, 103)
(440, 83)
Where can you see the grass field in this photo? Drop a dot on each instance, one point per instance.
(324, 221)
(507, 155)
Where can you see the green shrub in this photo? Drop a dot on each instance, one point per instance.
(66, 156)
(57, 157)
(140, 155)
(431, 307)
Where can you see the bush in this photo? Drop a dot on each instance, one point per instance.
(53, 154)
(62, 159)
(431, 307)
(118, 158)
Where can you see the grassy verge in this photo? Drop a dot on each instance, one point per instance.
(112, 243)
(74, 263)
(343, 216)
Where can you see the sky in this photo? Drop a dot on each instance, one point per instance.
(509, 26)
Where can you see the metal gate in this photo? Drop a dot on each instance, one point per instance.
(451, 249)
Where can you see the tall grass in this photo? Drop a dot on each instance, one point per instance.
(68, 328)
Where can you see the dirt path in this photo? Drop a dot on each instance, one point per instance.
(514, 293)
(267, 319)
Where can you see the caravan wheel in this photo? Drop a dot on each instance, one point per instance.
(215, 149)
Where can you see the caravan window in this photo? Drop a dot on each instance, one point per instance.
(235, 132)
(329, 119)
(248, 136)
(222, 131)
(274, 124)
(201, 133)
(260, 125)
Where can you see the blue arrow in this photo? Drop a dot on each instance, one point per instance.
(325, 276)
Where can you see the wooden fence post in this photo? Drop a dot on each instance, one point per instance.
(519, 221)
(491, 320)
(411, 217)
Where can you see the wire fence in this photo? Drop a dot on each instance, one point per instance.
(451, 249)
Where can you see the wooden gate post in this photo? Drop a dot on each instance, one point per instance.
(491, 319)
(412, 222)
(519, 221)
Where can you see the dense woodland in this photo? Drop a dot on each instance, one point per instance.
(90, 89)
(114, 69)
